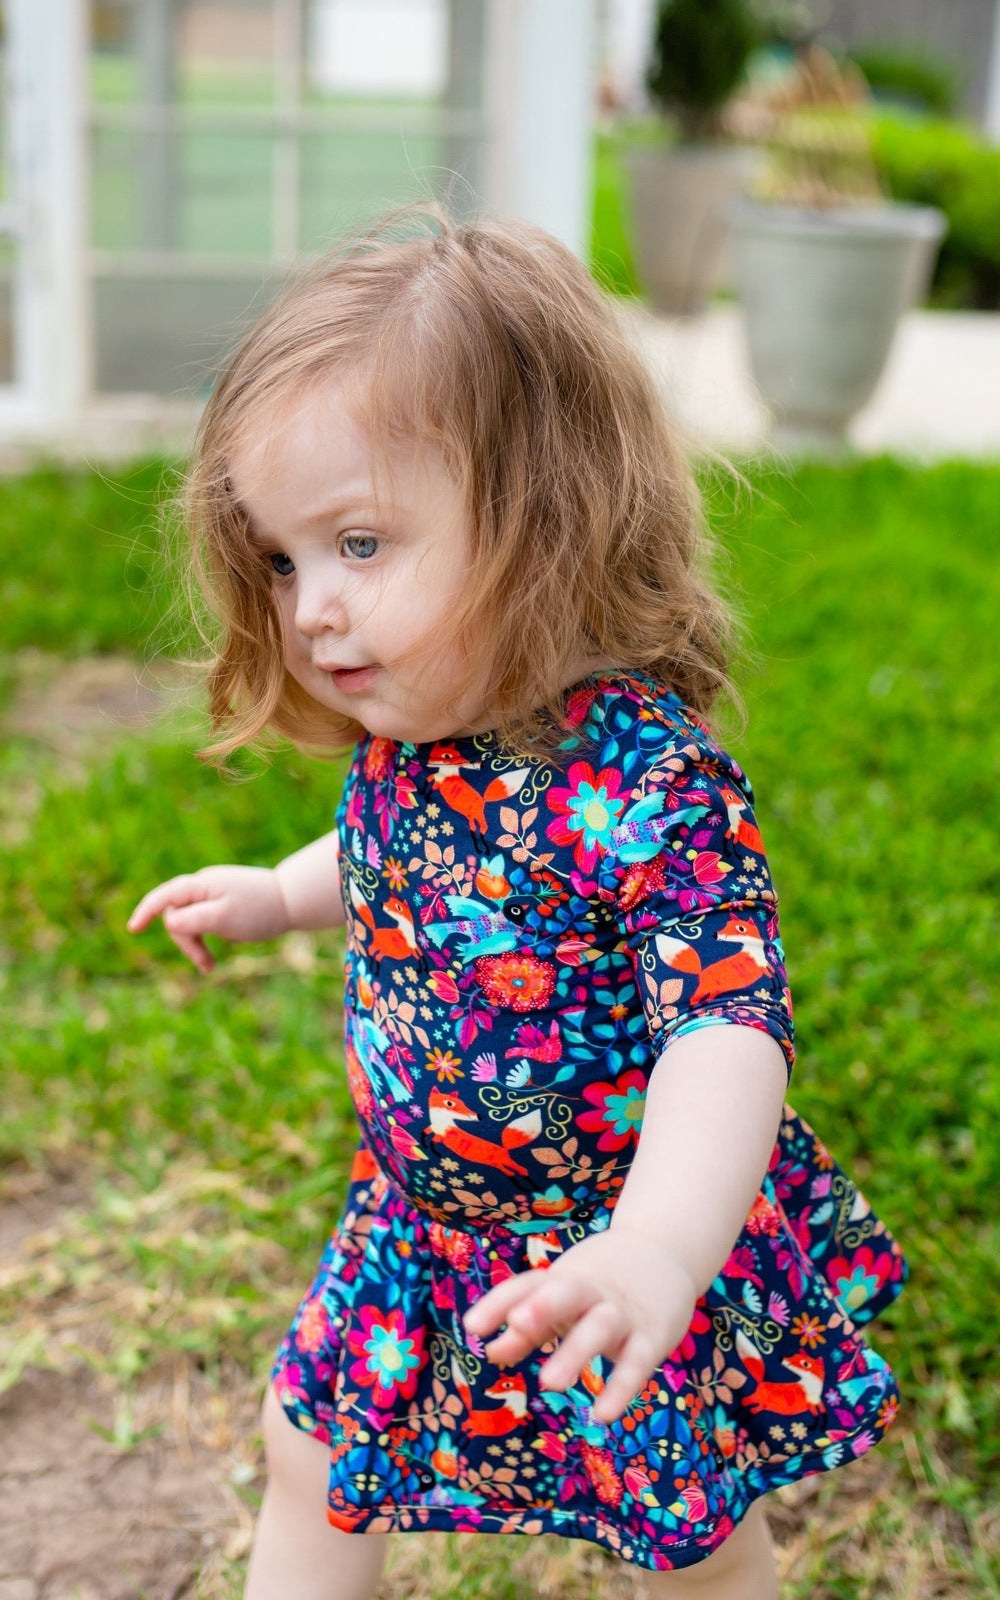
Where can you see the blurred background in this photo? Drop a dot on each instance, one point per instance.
(166, 162)
(795, 207)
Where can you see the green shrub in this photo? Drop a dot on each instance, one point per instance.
(700, 53)
(926, 85)
(943, 164)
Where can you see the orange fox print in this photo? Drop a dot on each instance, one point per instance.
(398, 942)
(805, 1393)
(742, 970)
(744, 832)
(512, 1392)
(447, 1110)
(445, 766)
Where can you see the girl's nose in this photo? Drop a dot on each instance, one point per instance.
(319, 609)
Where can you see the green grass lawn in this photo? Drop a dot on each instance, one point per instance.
(209, 1120)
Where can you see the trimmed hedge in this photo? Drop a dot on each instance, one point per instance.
(944, 164)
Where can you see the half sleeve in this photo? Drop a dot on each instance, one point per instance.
(695, 902)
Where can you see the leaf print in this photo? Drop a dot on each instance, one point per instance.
(468, 1030)
(509, 819)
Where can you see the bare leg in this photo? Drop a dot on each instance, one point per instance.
(741, 1569)
(297, 1555)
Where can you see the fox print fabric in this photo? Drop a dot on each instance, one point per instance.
(525, 938)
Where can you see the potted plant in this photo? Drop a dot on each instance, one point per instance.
(679, 192)
(824, 265)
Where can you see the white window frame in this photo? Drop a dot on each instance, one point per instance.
(535, 124)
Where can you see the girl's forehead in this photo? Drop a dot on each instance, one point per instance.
(327, 436)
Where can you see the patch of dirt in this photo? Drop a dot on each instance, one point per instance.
(84, 1517)
(31, 1202)
(75, 710)
(114, 1490)
(73, 706)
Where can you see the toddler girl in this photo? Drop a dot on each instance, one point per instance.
(591, 1277)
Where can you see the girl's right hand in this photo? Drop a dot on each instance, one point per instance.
(238, 903)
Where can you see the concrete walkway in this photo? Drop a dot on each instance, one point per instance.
(939, 395)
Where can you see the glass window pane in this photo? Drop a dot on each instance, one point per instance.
(382, 48)
(114, 73)
(347, 179)
(225, 52)
(193, 52)
(201, 191)
(164, 334)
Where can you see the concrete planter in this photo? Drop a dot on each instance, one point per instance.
(679, 197)
(822, 293)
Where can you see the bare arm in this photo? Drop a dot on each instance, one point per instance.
(310, 884)
(711, 1119)
(247, 903)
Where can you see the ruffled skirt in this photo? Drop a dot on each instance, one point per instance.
(773, 1380)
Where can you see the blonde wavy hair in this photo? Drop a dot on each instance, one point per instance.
(489, 342)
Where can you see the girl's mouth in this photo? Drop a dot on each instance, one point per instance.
(353, 679)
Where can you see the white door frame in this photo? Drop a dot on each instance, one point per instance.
(45, 62)
(541, 59)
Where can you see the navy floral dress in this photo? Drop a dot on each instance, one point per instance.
(524, 938)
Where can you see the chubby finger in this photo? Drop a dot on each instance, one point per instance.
(489, 1312)
(541, 1318)
(194, 947)
(633, 1368)
(175, 892)
(601, 1331)
(196, 918)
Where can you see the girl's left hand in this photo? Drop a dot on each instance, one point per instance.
(615, 1294)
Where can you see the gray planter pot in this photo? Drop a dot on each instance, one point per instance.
(822, 293)
(679, 197)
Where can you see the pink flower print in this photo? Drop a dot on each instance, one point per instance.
(701, 1322)
(708, 868)
(599, 1465)
(620, 1106)
(389, 1358)
(857, 1280)
(313, 1326)
(587, 811)
(520, 981)
(552, 1445)
(379, 759)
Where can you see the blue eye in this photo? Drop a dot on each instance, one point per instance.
(359, 546)
(283, 565)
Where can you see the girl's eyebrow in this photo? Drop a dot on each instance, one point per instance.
(350, 502)
(362, 502)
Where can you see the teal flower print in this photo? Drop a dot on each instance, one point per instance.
(620, 1106)
(390, 1358)
(587, 812)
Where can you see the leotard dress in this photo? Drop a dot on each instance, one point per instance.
(524, 938)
